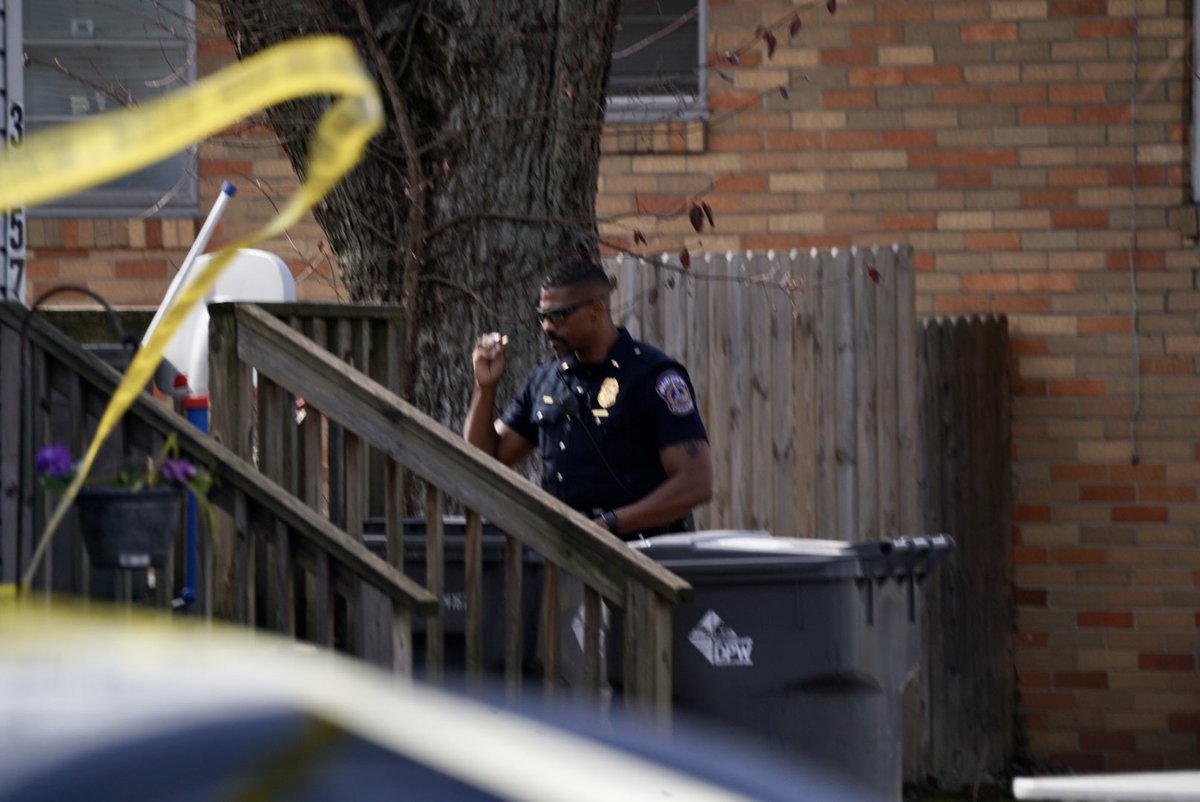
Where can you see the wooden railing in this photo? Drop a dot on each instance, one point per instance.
(327, 458)
(66, 389)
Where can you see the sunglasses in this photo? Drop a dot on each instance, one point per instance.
(559, 314)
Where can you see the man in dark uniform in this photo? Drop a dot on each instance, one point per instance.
(614, 419)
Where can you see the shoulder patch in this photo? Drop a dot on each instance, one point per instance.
(674, 390)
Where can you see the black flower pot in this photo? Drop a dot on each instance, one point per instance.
(124, 528)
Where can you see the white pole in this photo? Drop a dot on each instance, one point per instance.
(228, 190)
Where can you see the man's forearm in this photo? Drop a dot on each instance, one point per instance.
(668, 502)
(479, 429)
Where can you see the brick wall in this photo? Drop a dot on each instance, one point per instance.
(130, 261)
(996, 138)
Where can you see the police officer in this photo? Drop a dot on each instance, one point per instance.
(614, 419)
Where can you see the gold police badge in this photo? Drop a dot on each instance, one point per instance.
(608, 392)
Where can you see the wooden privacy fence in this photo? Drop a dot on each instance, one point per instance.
(352, 419)
(805, 369)
(66, 391)
(966, 491)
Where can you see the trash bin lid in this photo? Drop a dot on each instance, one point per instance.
(756, 552)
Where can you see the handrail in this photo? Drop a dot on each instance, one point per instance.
(228, 469)
(564, 536)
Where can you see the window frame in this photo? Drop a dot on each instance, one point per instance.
(98, 202)
(668, 108)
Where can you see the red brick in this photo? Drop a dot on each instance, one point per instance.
(726, 141)
(1029, 555)
(1029, 304)
(141, 270)
(723, 101)
(1048, 700)
(1048, 282)
(1078, 8)
(990, 157)
(1107, 493)
(1093, 115)
(221, 168)
(876, 34)
(1080, 218)
(153, 234)
(1048, 198)
(961, 96)
(934, 75)
(1167, 493)
(1018, 95)
(1080, 679)
(847, 140)
(658, 204)
(963, 179)
(1077, 387)
(952, 304)
(1166, 365)
(1137, 473)
(1144, 176)
(848, 99)
(1139, 512)
(847, 56)
(1030, 597)
(904, 12)
(1142, 260)
(1031, 513)
(994, 32)
(1150, 661)
(1114, 324)
(989, 282)
(793, 140)
(1104, 28)
(943, 157)
(1047, 115)
(207, 46)
(909, 139)
(1107, 741)
(1077, 472)
(739, 182)
(1078, 556)
(70, 233)
(1028, 387)
(1077, 93)
(60, 253)
(876, 76)
(1077, 177)
(1108, 619)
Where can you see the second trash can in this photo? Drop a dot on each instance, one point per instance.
(805, 642)
(454, 596)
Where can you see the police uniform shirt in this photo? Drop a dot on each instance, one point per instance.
(625, 409)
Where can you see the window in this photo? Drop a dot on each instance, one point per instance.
(658, 68)
(89, 56)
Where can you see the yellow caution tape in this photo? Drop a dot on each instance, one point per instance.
(68, 159)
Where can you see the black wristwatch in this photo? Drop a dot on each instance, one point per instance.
(610, 520)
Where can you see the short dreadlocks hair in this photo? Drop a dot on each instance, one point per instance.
(578, 272)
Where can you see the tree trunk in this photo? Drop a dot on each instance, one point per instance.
(485, 176)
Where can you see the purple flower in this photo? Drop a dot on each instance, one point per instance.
(54, 462)
(177, 471)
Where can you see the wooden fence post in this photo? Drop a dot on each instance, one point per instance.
(230, 422)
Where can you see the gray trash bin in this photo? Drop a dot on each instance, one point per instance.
(807, 643)
(454, 596)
